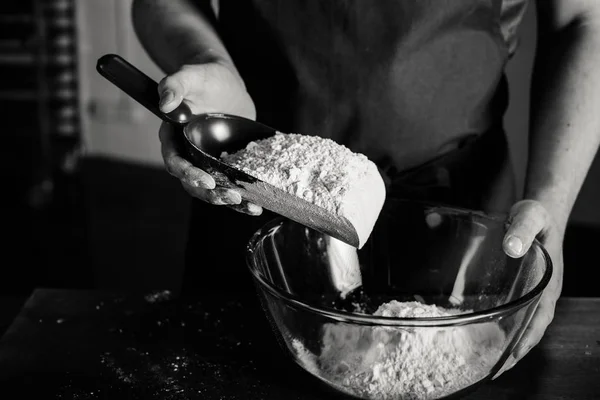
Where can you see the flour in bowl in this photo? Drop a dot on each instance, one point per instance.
(409, 363)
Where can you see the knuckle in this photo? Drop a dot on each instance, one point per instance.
(527, 203)
(169, 167)
(188, 174)
(162, 83)
(523, 227)
(548, 318)
(193, 76)
(198, 193)
(514, 210)
(215, 197)
(520, 207)
(528, 347)
(163, 132)
(169, 82)
(173, 166)
(536, 206)
(185, 77)
(538, 211)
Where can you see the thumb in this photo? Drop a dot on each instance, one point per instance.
(527, 219)
(173, 89)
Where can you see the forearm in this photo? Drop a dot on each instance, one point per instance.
(175, 32)
(565, 119)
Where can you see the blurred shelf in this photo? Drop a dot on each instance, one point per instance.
(38, 88)
(60, 22)
(11, 45)
(17, 19)
(19, 95)
(18, 59)
(17, 31)
(18, 7)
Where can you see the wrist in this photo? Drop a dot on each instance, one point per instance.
(554, 202)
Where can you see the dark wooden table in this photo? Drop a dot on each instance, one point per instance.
(97, 345)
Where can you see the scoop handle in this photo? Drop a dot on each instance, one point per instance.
(140, 87)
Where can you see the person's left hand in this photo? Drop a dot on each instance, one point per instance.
(528, 220)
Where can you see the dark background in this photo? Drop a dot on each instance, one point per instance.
(86, 202)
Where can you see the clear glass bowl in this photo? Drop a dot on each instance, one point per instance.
(434, 255)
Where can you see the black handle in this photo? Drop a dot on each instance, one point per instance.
(139, 86)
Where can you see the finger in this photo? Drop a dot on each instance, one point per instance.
(522, 348)
(174, 88)
(508, 364)
(180, 167)
(248, 208)
(532, 335)
(218, 196)
(534, 332)
(528, 219)
(225, 196)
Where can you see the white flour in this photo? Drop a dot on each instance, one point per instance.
(390, 363)
(326, 174)
(313, 168)
(319, 171)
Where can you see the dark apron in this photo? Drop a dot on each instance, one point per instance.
(416, 85)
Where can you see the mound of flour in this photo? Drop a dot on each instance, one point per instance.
(313, 168)
(390, 363)
(320, 171)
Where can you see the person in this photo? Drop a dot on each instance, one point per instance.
(417, 86)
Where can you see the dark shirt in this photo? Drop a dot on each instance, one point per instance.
(416, 85)
(398, 80)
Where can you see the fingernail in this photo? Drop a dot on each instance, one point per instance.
(166, 98)
(254, 209)
(232, 196)
(433, 220)
(224, 196)
(206, 184)
(514, 244)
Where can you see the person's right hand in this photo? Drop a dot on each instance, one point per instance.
(208, 87)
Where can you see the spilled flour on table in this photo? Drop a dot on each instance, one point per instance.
(150, 360)
(159, 296)
(390, 363)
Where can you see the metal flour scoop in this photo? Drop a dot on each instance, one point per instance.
(206, 136)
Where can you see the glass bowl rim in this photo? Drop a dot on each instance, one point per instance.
(366, 319)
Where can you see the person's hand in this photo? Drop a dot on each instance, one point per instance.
(208, 87)
(529, 220)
